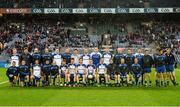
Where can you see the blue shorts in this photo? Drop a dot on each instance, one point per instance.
(37, 78)
(123, 75)
(137, 75)
(161, 69)
(169, 68)
(71, 75)
(147, 70)
(62, 75)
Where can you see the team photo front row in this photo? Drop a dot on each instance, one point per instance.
(95, 69)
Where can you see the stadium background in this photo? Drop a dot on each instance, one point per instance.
(124, 20)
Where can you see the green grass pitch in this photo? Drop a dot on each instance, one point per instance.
(89, 96)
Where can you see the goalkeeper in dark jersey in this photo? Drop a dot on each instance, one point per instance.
(54, 72)
(46, 69)
(147, 62)
(24, 73)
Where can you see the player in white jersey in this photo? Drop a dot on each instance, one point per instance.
(107, 56)
(57, 57)
(91, 72)
(14, 57)
(101, 71)
(63, 73)
(36, 73)
(85, 57)
(72, 72)
(76, 56)
(81, 72)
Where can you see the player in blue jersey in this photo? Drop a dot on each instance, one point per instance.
(107, 56)
(170, 61)
(63, 74)
(72, 71)
(24, 73)
(136, 72)
(122, 72)
(118, 56)
(81, 72)
(46, 56)
(36, 73)
(67, 56)
(160, 61)
(102, 72)
(46, 69)
(85, 56)
(12, 73)
(54, 72)
(36, 55)
(96, 56)
(57, 57)
(91, 72)
(139, 55)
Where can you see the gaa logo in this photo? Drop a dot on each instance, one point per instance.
(178, 10)
(37, 11)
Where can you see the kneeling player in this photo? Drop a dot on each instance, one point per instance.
(136, 71)
(24, 72)
(91, 69)
(46, 69)
(123, 70)
(72, 73)
(12, 73)
(110, 72)
(54, 72)
(36, 73)
(81, 72)
(102, 72)
(63, 74)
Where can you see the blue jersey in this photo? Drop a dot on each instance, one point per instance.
(63, 69)
(72, 68)
(36, 56)
(13, 71)
(67, 57)
(136, 69)
(170, 59)
(122, 68)
(46, 69)
(159, 60)
(96, 58)
(81, 68)
(139, 56)
(129, 59)
(24, 70)
(107, 57)
(102, 68)
(91, 69)
(46, 56)
(85, 58)
(118, 57)
(54, 69)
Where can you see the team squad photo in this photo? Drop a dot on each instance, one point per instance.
(42, 68)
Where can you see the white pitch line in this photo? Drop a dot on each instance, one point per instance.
(3, 82)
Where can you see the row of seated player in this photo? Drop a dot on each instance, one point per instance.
(135, 69)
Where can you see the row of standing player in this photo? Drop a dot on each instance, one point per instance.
(163, 62)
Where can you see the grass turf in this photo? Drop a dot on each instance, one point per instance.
(89, 96)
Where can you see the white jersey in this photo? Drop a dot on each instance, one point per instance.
(58, 59)
(37, 71)
(76, 58)
(101, 68)
(86, 58)
(81, 68)
(72, 68)
(14, 58)
(107, 57)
